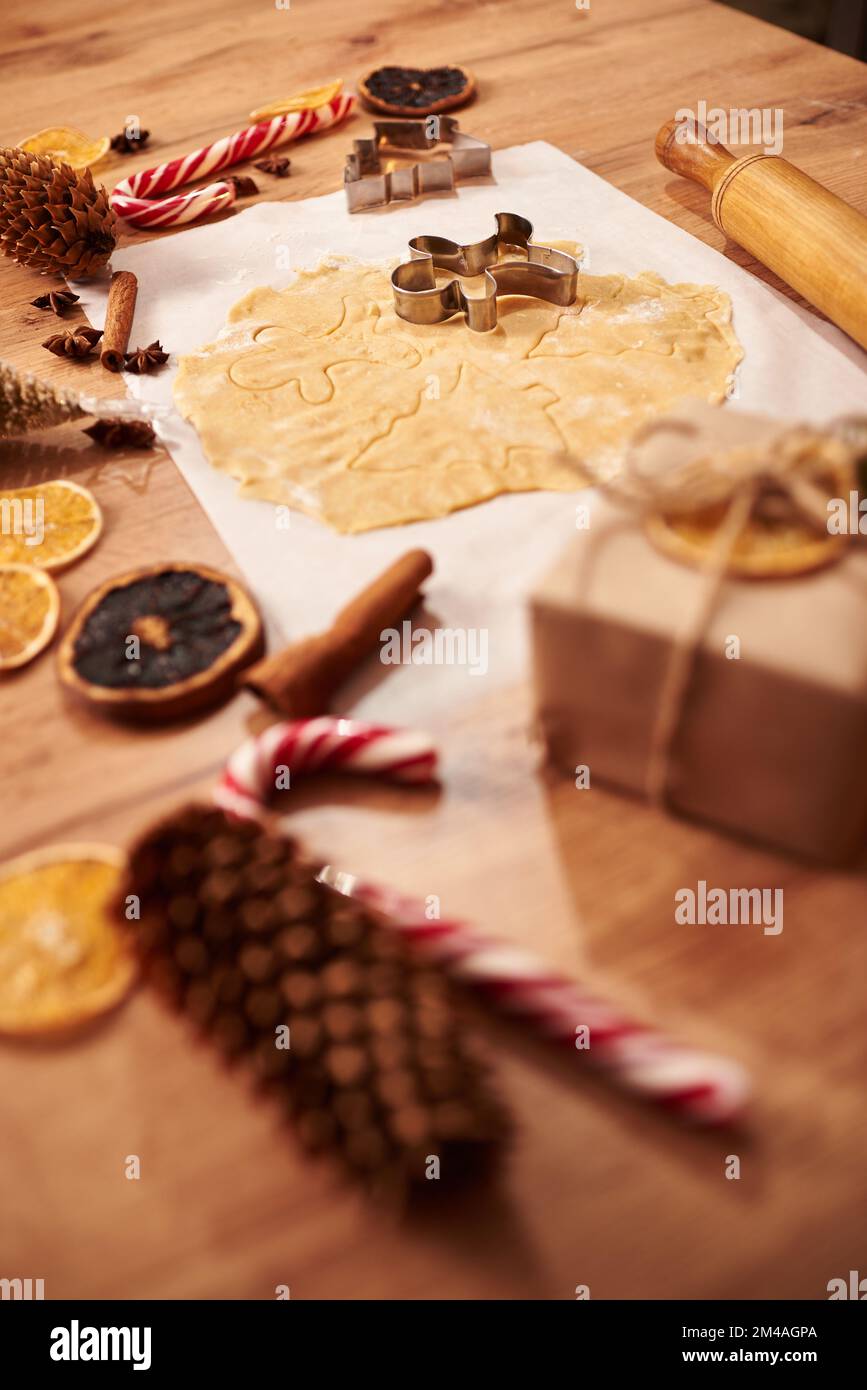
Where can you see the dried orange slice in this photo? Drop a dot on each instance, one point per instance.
(775, 550)
(66, 145)
(313, 97)
(62, 960)
(48, 526)
(777, 542)
(29, 610)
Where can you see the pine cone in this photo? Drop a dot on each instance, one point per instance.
(238, 932)
(53, 218)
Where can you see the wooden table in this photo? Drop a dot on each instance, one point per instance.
(595, 1192)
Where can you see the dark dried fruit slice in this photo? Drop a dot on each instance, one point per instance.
(161, 642)
(416, 91)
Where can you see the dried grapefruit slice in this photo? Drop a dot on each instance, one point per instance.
(160, 642)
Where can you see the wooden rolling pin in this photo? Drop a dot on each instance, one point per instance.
(806, 235)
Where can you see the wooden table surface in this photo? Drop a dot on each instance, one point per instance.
(595, 1191)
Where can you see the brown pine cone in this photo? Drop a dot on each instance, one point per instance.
(75, 342)
(357, 1039)
(52, 217)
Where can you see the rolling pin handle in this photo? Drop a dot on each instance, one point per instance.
(692, 152)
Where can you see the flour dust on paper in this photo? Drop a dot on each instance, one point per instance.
(318, 396)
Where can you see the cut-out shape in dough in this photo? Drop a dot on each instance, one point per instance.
(284, 356)
(319, 396)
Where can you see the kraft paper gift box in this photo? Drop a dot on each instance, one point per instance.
(772, 744)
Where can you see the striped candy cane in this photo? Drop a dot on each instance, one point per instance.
(135, 198)
(321, 745)
(641, 1060)
(696, 1086)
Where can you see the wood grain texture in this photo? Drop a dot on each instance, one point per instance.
(813, 240)
(595, 1192)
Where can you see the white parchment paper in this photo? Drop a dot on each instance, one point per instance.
(487, 557)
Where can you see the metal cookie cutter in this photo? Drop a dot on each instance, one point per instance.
(368, 185)
(545, 274)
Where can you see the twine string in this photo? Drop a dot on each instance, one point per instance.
(737, 480)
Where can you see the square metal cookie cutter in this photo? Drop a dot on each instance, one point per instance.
(545, 274)
(368, 185)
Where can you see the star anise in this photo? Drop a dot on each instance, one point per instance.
(75, 342)
(277, 164)
(58, 301)
(144, 359)
(119, 434)
(244, 187)
(127, 141)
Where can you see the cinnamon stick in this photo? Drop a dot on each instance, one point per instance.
(300, 680)
(118, 319)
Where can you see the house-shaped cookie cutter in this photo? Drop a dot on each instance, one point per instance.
(368, 185)
(545, 274)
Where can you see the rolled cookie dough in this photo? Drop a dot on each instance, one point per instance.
(318, 396)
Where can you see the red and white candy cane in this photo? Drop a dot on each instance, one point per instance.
(696, 1086)
(321, 745)
(135, 198)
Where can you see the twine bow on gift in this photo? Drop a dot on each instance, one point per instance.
(791, 469)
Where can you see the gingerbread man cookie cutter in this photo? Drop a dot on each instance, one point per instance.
(368, 185)
(544, 274)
